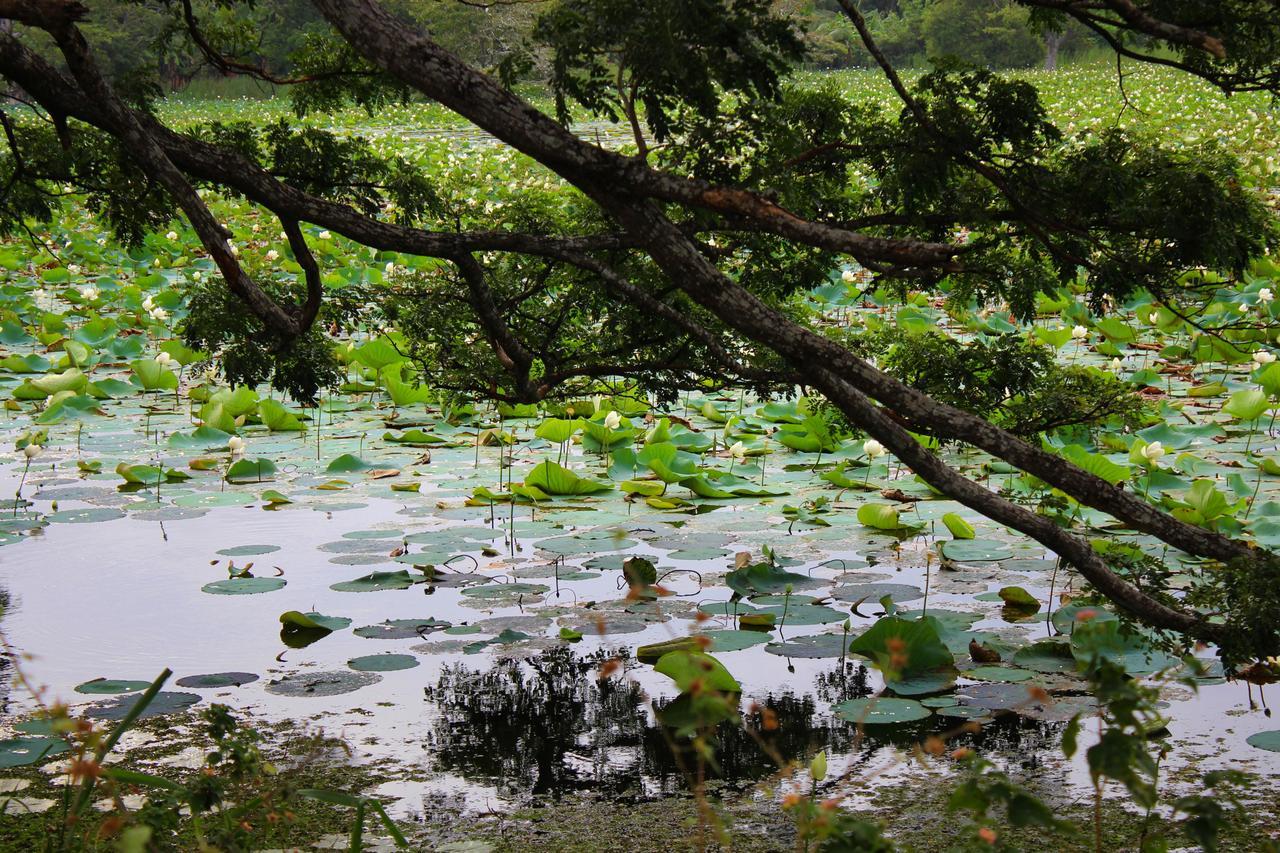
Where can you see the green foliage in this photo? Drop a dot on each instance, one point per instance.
(1009, 380)
(981, 32)
(247, 354)
(1246, 593)
(619, 59)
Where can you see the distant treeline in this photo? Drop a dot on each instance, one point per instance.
(147, 38)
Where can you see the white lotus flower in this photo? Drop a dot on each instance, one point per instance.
(738, 451)
(273, 255)
(1265, 295)
(74, 269)
(31, 451)
(1242, 307)
(1116, 364)
(391, 267)
(1079, 333)
(873, 448)
(613, 420)
(236, 445)
(325, 235)
(158, 314)
(88, 294)
(235, 250)
(147, 304)
(171, 236)
(197, 275)
(164, 359)
(1153, 451)
(848, 277)
(1263, 356)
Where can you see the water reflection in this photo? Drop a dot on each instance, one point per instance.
(550, 726)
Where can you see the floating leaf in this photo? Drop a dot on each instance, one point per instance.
(243, 586)
(881, 711)
(383, 663)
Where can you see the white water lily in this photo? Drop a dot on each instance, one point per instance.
(873, 448)
(88, 294)
(848, 277)
(273, 255)
(164, 359)
(1079, 333)
(1265, 295)
(613, 420)
(1153, 451)
(171, 236)
(236, 445)
(31, 451)
(1263, 356)
(325, 235)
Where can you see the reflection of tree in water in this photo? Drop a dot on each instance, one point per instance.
(545, 726)
(550, 726)
(6, 674)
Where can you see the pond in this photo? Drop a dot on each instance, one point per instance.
(462, 676)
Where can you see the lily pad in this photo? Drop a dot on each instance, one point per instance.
(164, 702)
(1269, 741)
(401, 629)
(243, 586)
(975, 550)
(89, 515)
(375, 582)
(881, 711)
(217, 679)
(815, 646)
(249, 550)
(111, 685)
(21, 751)
(383, 663)
(326, 683)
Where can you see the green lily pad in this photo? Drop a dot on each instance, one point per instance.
(375, 582)
(1046, 656)
(88, 515)
(249, 550)
(815, 646)
(215, 499)
(243, 586)
(998, 673)
(401, 629)
(1269, 741)
(217, 679)
(975, 550)
(383, 663)
(111, 685)
(881, 711)
(164, 702)
(19, 752)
